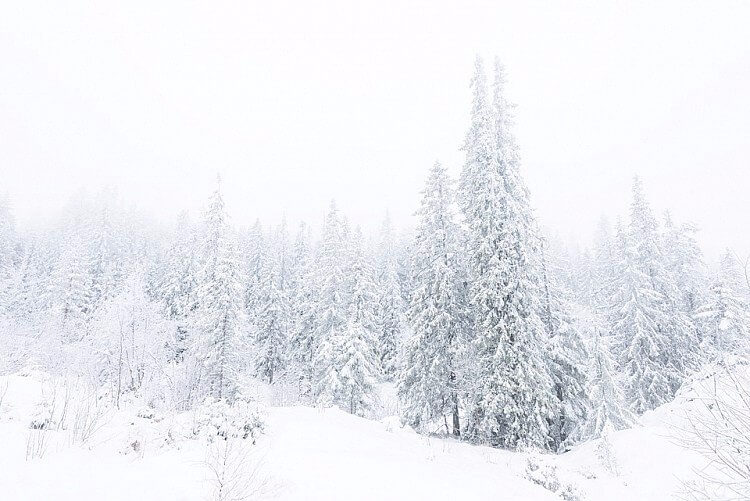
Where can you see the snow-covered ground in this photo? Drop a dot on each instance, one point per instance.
(309, 453)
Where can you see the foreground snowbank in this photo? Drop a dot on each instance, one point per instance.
(308, 453)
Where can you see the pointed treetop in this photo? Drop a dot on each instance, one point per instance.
(637, 188)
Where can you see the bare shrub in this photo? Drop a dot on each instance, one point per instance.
(45, 412)
(236, 472)
(85, 415)
(720, 431)
(545, 475)
(605, 453)
(36, 443)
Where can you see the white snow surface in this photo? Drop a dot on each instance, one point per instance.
(320, 454)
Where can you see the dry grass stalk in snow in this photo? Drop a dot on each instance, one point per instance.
(720, 430)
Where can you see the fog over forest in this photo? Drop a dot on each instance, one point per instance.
(350, 252)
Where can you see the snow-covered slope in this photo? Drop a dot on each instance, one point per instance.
(308, 453)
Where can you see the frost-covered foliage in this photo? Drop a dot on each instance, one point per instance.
(609, 411)
(356, 363)
(128, 336)
(390, 302)
(271, 318)
(490, 331)
(219, 420)
(568, 358)
(220, 314)
(429, 382)
(178, 283)
(512, 398)
(724, 315)
(330, 315)
(718, 426)
(656, 339)
(545, 475)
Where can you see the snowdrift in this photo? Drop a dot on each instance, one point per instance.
(308, 453)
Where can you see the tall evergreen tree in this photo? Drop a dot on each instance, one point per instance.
(429, 384)
(567, 357)
(657, 340)
(73, 285)
(304, 305)
(253, 252)
(684, 263)
(725, 316)
(356, 360)
(512, 403)
(642, 346)
(272, 322)
(390, 302)
(331, 314)
(604, 265)
(179, 285)
(104, 258)
(220, 303)
(7, 243)
(609, 411)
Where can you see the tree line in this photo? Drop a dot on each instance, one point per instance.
(489, 330)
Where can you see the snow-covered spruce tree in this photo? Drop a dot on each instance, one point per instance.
(604, 266)
(253, 251)
(7, 231)
(283, 253)
(356, 357)
(271, 319)
(640, 344)
(724, 316)
(390, 310)
(512, 399)
(220, 315)
(568, 358)
(28, 282)
(651, 257)
(390, 302)
(656, 340)
(104, 258)
(7, 244)
(179, 285)
(684, 263)
(429, 386)
(73, 286)
(304, 307)
(331, 312)
(609, 409)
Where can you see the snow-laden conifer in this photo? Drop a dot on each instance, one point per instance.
(272, 318)
(567, 357)
(512, 402)
(429, 384)
(724, 317)
(356, 358)
(304, 308)
(331, 311)
(220, 315)
(179, 286)
(390, 311)
(656, 340)
(609, 409)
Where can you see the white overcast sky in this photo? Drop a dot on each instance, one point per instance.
(296, 103)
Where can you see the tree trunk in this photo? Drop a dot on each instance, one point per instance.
(119, 368)
(454, 398)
